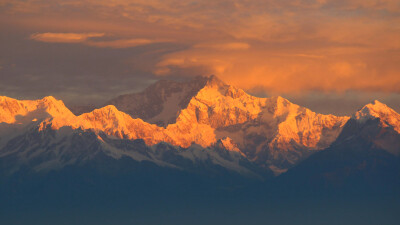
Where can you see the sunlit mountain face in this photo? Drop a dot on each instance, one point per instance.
(203, 148)
(199, 112)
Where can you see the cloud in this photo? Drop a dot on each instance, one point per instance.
(225, 46)
(279, 73)
(277, 46)
(122, 43)
(64, 37)
(84, 38)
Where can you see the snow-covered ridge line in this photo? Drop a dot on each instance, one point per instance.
(259, 128)
(195, 124)
(377, 109)
(212, 118)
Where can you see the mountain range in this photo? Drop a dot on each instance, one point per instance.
(201, 129)
(195, 118)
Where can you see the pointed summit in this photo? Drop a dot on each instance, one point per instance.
(378, 106)
(213, 80)
(108, 109)
(49, 99)
(48, 107)
(9, 108)
(378, 110)
(375, 109)
(375, 123)
(161, 102)
(107, 116)
(54, 107)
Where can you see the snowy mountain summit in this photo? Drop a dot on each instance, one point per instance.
(161, 102)
(378, 110)
(185, 125)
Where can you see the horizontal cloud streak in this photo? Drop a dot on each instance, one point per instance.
(123, 43)
(64, 37)
(84, 38)
(225, 46)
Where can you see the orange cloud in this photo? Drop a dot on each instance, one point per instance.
(64, 37)
(280, 46)
(279, 73)
(225, 46)
(84, 38)
(123, 43)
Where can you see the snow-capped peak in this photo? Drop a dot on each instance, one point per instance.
(381, 111)
(374, 109)
(271, 131)
(214, 81)
(161, 102)
(48, 107)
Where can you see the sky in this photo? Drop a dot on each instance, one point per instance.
(332, 56)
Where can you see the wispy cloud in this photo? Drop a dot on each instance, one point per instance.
(225, 46)
(122, 43)
(85, 38)
(64, 37)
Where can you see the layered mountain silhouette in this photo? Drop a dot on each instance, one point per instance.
(201, 141)
(204, 113)
(364, 157)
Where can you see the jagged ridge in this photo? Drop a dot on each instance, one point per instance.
(272, 132)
